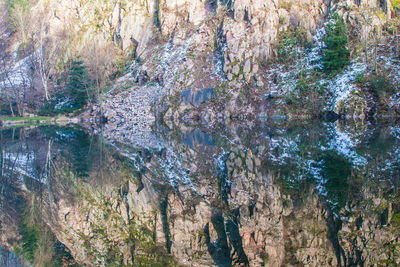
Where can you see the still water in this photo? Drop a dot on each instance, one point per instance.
(281, 193)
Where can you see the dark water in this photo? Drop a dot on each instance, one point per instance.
(282, 193)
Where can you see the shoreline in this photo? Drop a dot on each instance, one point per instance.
(36, 120)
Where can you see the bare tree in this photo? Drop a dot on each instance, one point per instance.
(4, 90)
(20, 19)
(46, 50)
(100, 62)
(42, 58)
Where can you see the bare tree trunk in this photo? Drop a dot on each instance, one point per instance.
(366, 53)
(4, 78)
(2, 163)
(48, 159)
(376, 56)
(10, 105)
(397, 44)
(43, 69)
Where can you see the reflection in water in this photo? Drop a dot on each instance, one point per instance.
(197, 137)
(285, 193)
(9, 259)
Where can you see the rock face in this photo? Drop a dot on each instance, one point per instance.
(250, 27)
(192, 45)
(226, 46)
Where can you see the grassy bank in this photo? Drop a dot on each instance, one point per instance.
(29, 119)
(35, 120)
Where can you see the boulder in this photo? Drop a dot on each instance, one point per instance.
(198, 97)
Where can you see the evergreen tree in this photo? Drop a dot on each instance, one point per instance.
(78, 86)
(335, 54)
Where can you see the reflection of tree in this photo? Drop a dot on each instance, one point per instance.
(336, 171)
(316, 150)
(79, 150)
(9, 259)
(76, 147)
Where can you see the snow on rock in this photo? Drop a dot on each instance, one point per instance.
(313, 58)
(19, 75)
(309, 60)
(342, 86)
(168, 66)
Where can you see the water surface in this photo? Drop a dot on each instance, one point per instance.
(281, 193)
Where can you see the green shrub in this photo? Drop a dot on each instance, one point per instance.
(121, 67)
(309, 97)
(336, 170)
(360, 78)
(380, 85)
(335, 53)
(289, 41)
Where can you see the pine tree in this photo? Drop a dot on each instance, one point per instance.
(78, 86)
(335, 54)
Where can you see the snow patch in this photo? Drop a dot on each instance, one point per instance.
(342, 86)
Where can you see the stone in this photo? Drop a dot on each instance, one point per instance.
(255, 68)
(236, 69)
(247, 67)
(198, 97)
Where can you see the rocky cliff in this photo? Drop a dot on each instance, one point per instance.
(243, 50)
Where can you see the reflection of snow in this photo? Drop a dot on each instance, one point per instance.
(175, 170)
(167, 165)
(63, 135)
(395, 132)
(345, 145)
(284, 151)
(287, 149)
(23, 163)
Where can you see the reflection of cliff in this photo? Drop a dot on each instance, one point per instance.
(239, 200)
(24, 173)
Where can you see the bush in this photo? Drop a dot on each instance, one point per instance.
(288, 42)
(58, 104)
(380, 85)
(335, 53)
(309, 97)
